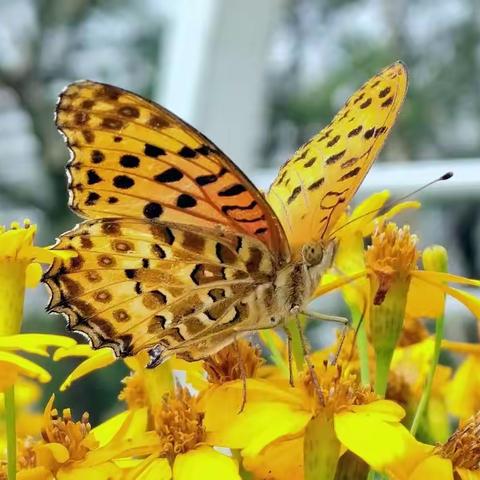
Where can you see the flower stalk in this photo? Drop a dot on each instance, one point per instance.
(321, 448)
(434, 258)
(386, 327)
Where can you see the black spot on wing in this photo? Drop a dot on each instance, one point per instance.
(233, 190)
(152, 210)
(186, 201)
(153, 151)
(93, 177)
(168, 176)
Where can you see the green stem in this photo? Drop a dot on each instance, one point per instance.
(275, 354)
(362, 345)
(11, 434)
(384, 359)
(298, 354)
(422, 406)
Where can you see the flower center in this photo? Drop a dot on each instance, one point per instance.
(178, 423)
(134, 393)
(226, 365)
(463, 447)
(339, 390)
(413, 332)
(392, 255)
(63, 430)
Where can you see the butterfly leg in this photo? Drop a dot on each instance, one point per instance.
(327, 318)
(243, 374)
(290, 356)
(156, 356)
(311, 368)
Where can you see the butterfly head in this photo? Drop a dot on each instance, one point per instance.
(318, 257)
(314, 254)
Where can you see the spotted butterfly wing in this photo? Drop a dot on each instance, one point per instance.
(316, 185)
(176, 239)
(137, 284)
(133, 158)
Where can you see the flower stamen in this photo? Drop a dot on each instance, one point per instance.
(62, 429)
(178, 424)
(225, 365)
(392, 255)
(463, 447)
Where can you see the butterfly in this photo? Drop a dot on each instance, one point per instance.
(179, 252)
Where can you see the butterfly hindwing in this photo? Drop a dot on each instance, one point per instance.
(133, 158)
(316, 185)
(135, 284)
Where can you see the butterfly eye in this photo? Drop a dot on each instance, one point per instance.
(312, 254)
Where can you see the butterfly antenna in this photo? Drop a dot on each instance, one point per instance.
(392, 203)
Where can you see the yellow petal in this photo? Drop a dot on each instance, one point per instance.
(468, 474)
(362, 216)
(78, 350)
(151, 468)
(340, 282)
(76, 471)
(36, 473)
(33, 274)
(395, 210)
(205, 463)
(101, 359)
(23, 366)
(388, 447)
(106, 431)
(34, 342)
(461, 347)
(439, 277)
(463, 393)
(8, 377)
(50, 455)
(259, 424)
(281, 460)
(424, 299)
(470, 301)
(432, 468)
(142, 444)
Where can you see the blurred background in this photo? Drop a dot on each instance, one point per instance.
(258, 78)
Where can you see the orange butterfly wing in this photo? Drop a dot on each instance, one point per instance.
(316, 185)
(133, 158)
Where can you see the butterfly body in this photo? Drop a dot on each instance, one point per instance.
(180, 253)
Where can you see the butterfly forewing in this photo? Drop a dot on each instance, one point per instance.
(135, 284)
(133, 158)
(316, 185)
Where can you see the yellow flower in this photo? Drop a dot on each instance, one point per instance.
(458, 458)
(279, 423)
(184, 452)
(409, 370)
(393, 255)
(463, 392)
(20, 268)
(72, 450)
(144, 387)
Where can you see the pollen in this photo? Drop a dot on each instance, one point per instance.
(62, 429)
(463, 447)
(340, 390)
(134, 393)
(392, 256)
(178, 423)
(227, 364)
